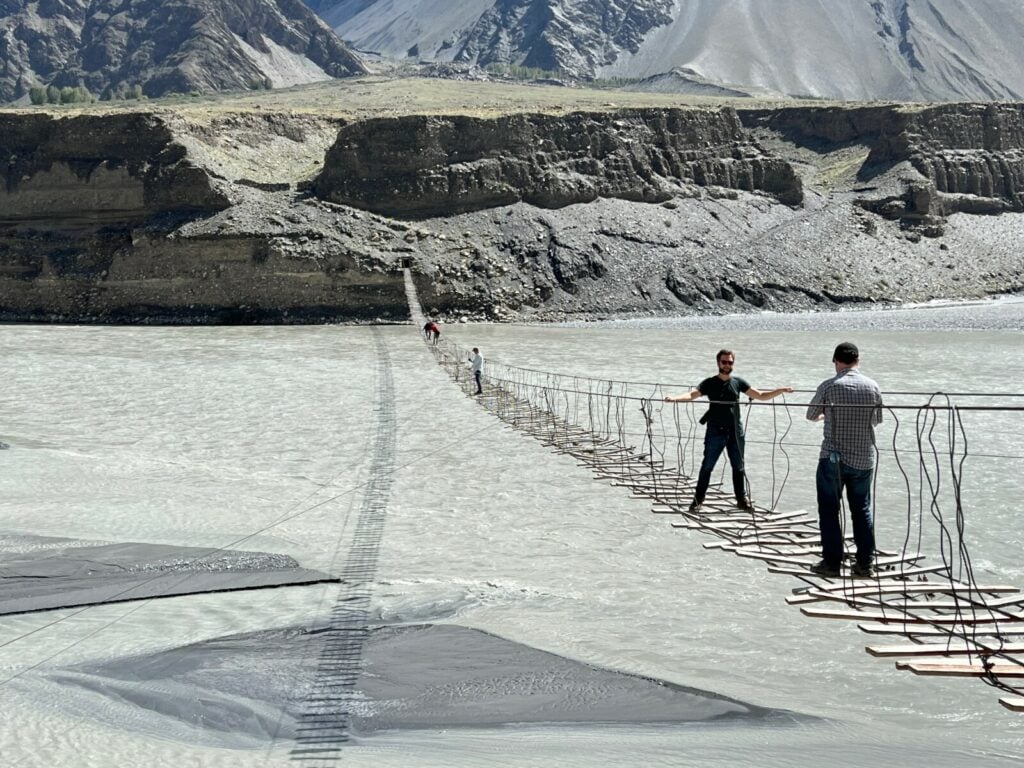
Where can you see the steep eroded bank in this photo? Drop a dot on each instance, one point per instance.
(286, 217)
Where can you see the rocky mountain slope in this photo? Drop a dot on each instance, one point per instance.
(857, 50)
(108, 46)
(290, 217)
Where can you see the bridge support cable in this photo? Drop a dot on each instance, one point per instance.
(619, 431)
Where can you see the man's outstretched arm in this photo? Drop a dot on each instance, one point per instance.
(693, 394)
(757, 394)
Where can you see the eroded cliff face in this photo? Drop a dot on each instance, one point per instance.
(257, 217)
(92, 168)
(966, 149)
(429, 166)
(954, 158)
(124, 218)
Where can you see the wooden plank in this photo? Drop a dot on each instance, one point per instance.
(955, 647)
(911, 587)
(925, 630)
(1013, 703)
(961, 602)
(884, 567)
(737, 543)
(738, 525)
(887, 575)
(1008, 660)
(669, 483)
(771, 538)
(962, 670)
(778, 558)
(897, 616)
(811, 559)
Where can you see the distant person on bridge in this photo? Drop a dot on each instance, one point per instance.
(851, 405)
(431, 331)
(724, 427)
(476, 362)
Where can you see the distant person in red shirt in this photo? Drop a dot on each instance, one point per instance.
(431, 331)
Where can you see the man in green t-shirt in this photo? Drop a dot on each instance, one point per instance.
(724, 428)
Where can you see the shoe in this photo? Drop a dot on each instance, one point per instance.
(826, 570)
(695, 507)
(862, 571)
(745, 504)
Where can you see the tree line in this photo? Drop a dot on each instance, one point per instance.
(51, 94)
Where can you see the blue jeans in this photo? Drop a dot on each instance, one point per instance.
(832, 477)
(717, 439)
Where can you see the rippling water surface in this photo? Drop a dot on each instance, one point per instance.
(204, 436)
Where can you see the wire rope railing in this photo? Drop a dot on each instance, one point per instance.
(627, 434)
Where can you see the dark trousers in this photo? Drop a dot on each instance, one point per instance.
(479, 386)
(832, 477)
(716, 440)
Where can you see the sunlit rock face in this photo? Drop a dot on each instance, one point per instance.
(289, 217)
(428, 166)
(191, 46)
(935, 50)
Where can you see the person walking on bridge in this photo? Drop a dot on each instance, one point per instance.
(851, 405)
(432, 331)
(724, 427)
(476, 362)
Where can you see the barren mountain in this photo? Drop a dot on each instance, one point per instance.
(165, 46)
(847, 49)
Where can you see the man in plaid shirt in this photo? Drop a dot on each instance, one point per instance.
(851, 405)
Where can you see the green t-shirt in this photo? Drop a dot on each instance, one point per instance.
(724, 410)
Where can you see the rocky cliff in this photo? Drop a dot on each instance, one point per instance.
(125, 218)
(953, 158)
(429, 166)
(283, 217)
(110, 46)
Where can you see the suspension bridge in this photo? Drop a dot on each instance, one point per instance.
(941, 620)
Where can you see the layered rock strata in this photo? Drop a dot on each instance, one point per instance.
(429, 166)
(959, 158)
(253, 217)
(112, 219)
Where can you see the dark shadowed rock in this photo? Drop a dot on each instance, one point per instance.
(190, 45)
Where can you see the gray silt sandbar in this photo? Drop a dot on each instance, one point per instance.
(42, 573)
(245, 690)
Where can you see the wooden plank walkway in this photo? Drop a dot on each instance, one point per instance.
(959, 629)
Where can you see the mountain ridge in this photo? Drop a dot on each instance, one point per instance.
(183, 46)
(908, 50)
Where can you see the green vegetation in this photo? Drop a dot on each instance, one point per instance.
(613, 82)
(517, 72)
(51, 94)
(131, 93)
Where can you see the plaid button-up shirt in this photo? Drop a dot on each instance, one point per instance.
(846, 401)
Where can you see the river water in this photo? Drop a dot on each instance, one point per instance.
(201, 437)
